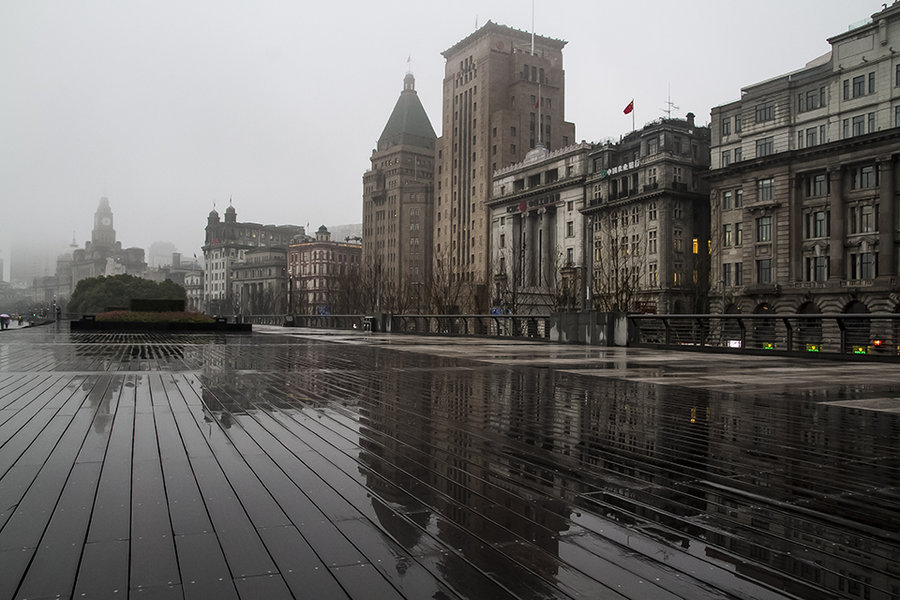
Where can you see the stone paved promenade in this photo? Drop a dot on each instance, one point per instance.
(315, 464)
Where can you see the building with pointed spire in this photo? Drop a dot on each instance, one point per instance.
(398, 200)
(103, 255)
(503, 95)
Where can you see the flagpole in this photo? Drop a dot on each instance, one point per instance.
(629, 108)
(532, 27)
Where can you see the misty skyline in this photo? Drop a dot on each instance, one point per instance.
(166, 108)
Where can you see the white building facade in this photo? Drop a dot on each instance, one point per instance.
(537, 232)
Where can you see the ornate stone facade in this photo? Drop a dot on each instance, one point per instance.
(226, 246)
(648, 220)
(324, 276)
(804, 182)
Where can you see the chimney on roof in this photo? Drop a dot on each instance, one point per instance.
(690, 119)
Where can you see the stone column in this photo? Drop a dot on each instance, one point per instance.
(836, 241)
(795, 210)
(665, 249)
(524, 251)
(887, 218)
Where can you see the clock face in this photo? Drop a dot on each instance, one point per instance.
(105, 221)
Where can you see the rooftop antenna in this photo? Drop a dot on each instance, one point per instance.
(669, 104)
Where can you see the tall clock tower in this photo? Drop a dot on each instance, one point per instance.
(103, 233)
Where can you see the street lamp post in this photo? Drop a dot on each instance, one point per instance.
(723, 295)
(291, 294)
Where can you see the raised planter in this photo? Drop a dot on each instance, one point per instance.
(89, 323)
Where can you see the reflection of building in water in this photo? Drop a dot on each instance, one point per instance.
(395, 439)
(795, 534)
(438, 442)
(620, 430)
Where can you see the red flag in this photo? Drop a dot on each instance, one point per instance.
(630, 107)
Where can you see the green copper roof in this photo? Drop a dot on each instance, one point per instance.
(408, 123)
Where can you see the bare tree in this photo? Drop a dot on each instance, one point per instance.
(348, 294)
(565, 285)
(446, 290)
(619, 264)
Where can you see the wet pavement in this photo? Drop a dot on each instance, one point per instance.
(321, 464)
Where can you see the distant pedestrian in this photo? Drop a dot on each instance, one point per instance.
(58, 312)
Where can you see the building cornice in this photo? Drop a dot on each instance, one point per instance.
(889, 12)
(791, 157)
(553, 155)
(495, 28)
(574, 182)
(667, 192)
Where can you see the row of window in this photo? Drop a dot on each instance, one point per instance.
(733, 233)
(861, 266)
(732, 199)
(812, 136)
(856, 87)
(726, 156)
(816, 224)
(859, 125)
(726, 125)
(812, 99)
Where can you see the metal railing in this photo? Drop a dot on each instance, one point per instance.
(507, 326)
(829, 333)
(325, 321)
(259, 319)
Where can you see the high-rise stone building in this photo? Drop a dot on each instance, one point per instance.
(503, 95)
(398, 199)
(804, 181)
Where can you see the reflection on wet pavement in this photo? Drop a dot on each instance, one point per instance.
(336, 465)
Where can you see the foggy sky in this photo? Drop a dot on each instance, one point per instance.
(168, 107)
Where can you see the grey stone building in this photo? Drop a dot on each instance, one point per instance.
(193, 290)
(537, 232)
(503, 94)
(324, 276)
(647, 215)
(104, 255)
(259, 281)
(398, 203)
(804, 182)
(226, 245)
